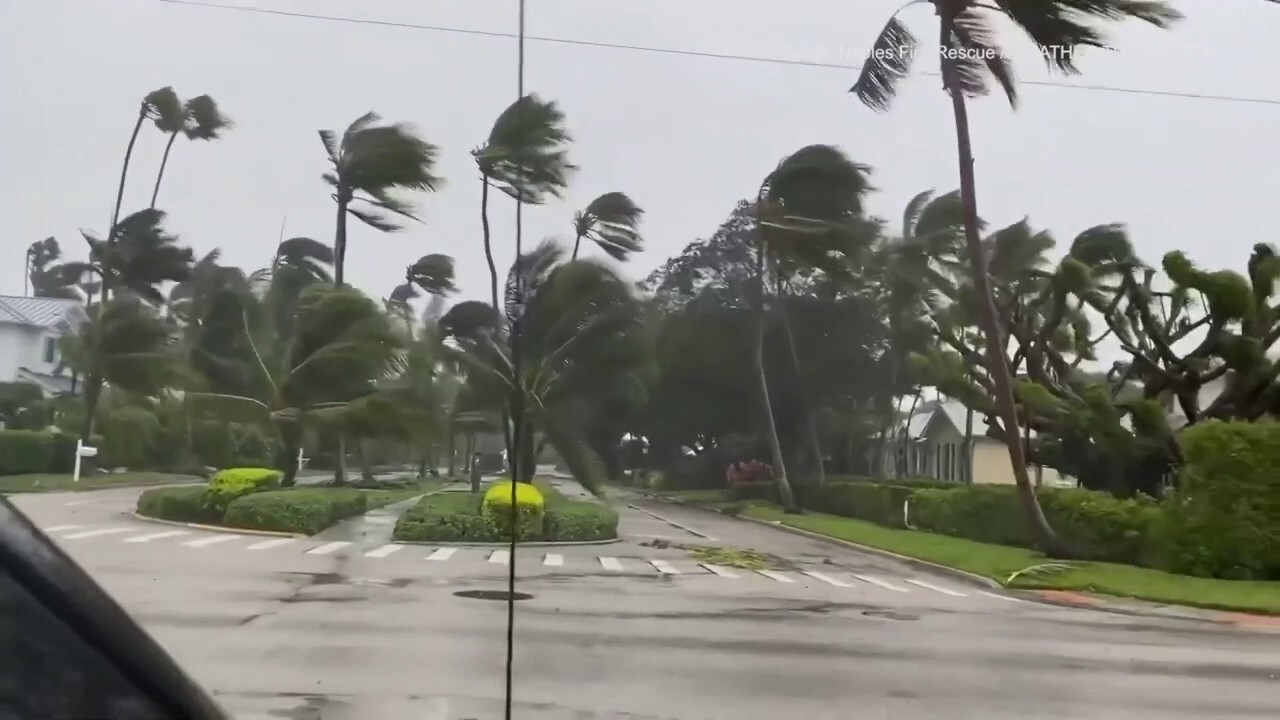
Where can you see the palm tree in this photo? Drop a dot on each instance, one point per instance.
(810, 202)
(970, 56)
(201, 120)
(340, 345)
(526, 156)
(44, 280)
(138, 257)
(164, 108)
(371, 161)
(582, 332)
(611, 222)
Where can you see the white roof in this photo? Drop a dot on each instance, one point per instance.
(40, 312)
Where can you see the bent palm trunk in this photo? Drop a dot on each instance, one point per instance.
(488, 246)
(806, 406)
(785, 496)
(998, 364)
(164, 162)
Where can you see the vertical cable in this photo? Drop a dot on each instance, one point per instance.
(517, 412)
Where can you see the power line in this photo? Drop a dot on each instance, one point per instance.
(709, 55)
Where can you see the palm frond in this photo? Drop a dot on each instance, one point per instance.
(1060, 27)
(526, 154)
(888, 62)
(973, 33)
(434, 274)
(612, 222)
(164, 108)
(226, 408)
(1040, 570)
(204, 119)
(469, 319)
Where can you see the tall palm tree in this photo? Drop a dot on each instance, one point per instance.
(164, 108)
(970, 57)
(813, 197)
(526, 156)
(610, 221)
(371, 161)
(201, 120)
(138, 257)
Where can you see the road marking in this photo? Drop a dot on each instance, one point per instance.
(721, 571)
(81, 502)
(553, 560)
(998, 596)
(384, 551)
(500, 557)
(827, 579)
(442, 554)
(96, 533)
(328, 548)
(60, 528)
(879, 583)
(611, 563)
(156, 536)
(664, 567)
(935, 588)
(265, 544)
(774, 575)
(211, 540)
(672, 523)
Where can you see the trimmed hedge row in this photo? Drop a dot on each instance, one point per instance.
(461, 517)
(25, 452)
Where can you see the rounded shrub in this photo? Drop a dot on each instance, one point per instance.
(180, 504)
(530, 509)
(233, 483)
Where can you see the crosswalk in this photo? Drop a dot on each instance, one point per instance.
(477, 558)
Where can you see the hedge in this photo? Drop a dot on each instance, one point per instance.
(530, 508)
(297, 510)
(25, 451)
(458, 517)
(1224, 519)
(180, 504)
(233, 483)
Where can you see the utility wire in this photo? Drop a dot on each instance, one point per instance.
(716, 56)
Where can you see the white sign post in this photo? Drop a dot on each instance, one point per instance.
(82, 451)
(302, 461)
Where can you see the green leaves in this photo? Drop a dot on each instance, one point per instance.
(526, 155)
(374, 159)
(887, 63)
(612, 222)
(139, 256)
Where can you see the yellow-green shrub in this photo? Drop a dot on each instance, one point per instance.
(530, 508)
(233, 483)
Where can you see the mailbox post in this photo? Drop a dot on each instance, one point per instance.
(82, 451)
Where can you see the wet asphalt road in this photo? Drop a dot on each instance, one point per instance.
(289, 634)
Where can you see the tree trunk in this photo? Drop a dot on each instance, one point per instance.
(340, 240)
(810, 424)
(366, 470)
(92, 394)
(115, 212)
(340, 461)
(453, 452)
(968, 446)
(998, 364)
(164, 161)
(785, 496)
(577, 240)
(290, 442)
(488, 246)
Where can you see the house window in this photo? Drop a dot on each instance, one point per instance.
(50, 350)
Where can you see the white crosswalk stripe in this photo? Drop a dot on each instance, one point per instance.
(97, 533)
(879, 583)
(553, 560)
(500, 557)
(775, 575)
(61, 528)
(998, 596)
(442, 554)
(384, 551)
(268, 544)
(827, 579)
(156, 536)
(611, 563)
(328, 548)
(211, 540)
(721, 571)
(935, 588)
(664, 567)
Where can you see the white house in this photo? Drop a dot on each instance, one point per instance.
(30, 328)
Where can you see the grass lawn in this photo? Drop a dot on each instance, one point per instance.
(47, 483)
(999, 562)
(380, 498)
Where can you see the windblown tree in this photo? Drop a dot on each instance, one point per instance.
(201, 120)
(583, 338)
(339, 345)
(44, 277)
(970, 58)
(371, 161)
(612, 222)
(527, 157)
(809, 206)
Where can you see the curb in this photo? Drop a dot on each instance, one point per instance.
(673, 523)
(130, 486)
(216, 528)
(540, 543)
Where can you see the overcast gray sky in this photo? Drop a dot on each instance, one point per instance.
(685, 136)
